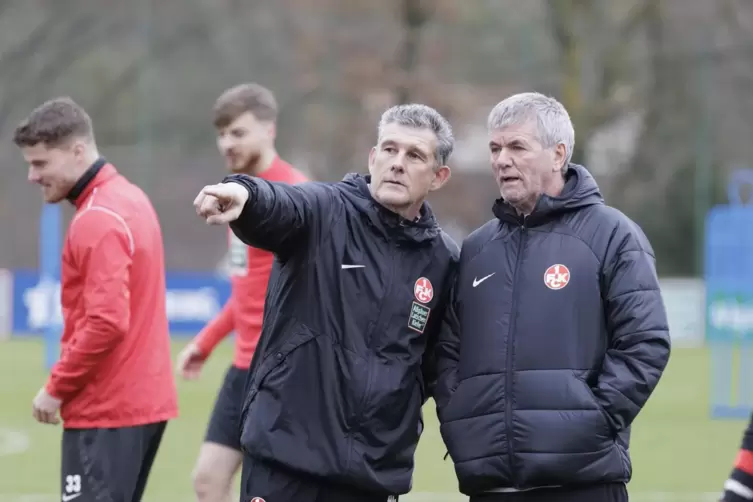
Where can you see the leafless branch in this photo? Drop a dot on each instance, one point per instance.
(414, 16)
(160, 50)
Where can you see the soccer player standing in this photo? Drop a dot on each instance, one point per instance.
(244, 117)
(113, 383)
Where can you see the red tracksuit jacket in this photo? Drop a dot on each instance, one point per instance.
(115, 366)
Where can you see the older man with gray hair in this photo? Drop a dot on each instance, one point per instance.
(333, 401)
(556, 334)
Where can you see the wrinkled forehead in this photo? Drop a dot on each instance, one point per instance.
(409, 137)
(526, 131)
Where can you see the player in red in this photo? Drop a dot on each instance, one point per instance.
(245, 119)
(113, 383)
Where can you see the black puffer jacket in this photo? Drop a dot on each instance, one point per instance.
(555, 338)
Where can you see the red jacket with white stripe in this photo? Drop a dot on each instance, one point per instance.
(115, 367)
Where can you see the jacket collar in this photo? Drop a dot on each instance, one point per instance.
(580, 191)
(98, 173)
(392, 225)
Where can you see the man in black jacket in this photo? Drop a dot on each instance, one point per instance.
(556, 333)
(333, 408)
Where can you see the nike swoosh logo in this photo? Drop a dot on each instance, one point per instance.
(66, 498)
(346, 267)
(476, 282)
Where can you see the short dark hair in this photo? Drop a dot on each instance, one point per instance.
(54, 123)
(245, 98)
(421, 116)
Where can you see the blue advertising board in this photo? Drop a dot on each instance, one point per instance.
(192, 300)
(729, 274)
(729, 301)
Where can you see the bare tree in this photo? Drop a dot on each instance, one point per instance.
(574, 26)
(415, 15)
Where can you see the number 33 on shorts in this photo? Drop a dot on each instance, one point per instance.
(72, 487)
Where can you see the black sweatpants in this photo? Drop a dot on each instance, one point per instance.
(608, 492)
(262, 482)
(108, 465)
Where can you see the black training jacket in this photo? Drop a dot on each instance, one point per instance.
(357, 295)
(556, 336)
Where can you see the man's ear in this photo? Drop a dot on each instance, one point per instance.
(560, 154)
(272, 130)
(78, 148)
(441, 176)
(372, 155)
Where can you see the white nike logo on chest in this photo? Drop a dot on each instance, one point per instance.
(476, 281)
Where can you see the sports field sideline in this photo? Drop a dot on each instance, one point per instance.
(679, 454)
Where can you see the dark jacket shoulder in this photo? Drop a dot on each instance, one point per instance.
(476, 240)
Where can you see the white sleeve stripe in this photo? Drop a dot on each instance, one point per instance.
(91, 207)
(131, 243)
(738, 488)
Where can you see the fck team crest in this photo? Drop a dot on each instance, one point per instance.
(419, 313)
(557, 276)
(423, 290)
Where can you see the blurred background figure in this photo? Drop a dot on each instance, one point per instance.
(658, 91)
(244, 117)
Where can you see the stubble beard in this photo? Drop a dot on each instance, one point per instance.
(249, 167)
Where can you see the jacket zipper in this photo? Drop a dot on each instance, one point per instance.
(383, 316)
(360, 409)
(510, 356)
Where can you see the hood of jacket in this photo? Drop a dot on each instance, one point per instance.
(580, 191)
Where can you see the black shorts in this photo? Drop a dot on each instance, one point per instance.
(225, 422)
(607, 492)
(108, 464)
(261, 481)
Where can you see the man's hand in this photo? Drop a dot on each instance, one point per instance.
(221, 203)
(190, 361)
(45, 408)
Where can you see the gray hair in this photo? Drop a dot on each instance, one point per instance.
(552, 120)
(422, 117)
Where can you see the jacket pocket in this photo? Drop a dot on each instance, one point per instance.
(607, 422)
(271, 362)
(473, 424)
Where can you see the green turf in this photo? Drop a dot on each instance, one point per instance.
(676, 449)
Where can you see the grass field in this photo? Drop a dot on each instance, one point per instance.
(679, 454)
